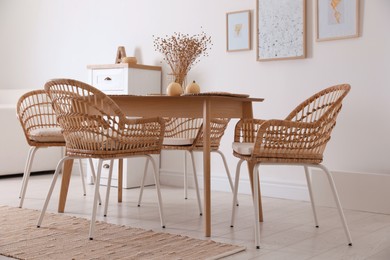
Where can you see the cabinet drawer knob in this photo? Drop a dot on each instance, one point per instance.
(106, 166)
(107, 78)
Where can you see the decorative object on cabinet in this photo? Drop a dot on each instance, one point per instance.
(182, 51)
(120, 53)
(238, 31)
(337, 19)
(130, 60)
(123, 79)
(281, 29)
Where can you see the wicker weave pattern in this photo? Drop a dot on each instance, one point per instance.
(93, 125)
(192, 128)
(217, 129)
(35, 112)
(302, 136)
(182, 127)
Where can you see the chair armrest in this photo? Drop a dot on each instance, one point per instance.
(142, 127)
(149, 130)
(217, 130)
(246, 130)
(280, 136)
(121, 133)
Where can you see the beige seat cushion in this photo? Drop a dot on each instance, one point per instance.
(278, 155)
(43, 135)
(243, 148)
(178, 141)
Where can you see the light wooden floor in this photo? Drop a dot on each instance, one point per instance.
(288, 231)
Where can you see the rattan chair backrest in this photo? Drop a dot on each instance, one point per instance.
(217, 130)
(177, 127)
(321, 105)
(302, 136)
(321, 110)
(192, 128)
(35, 112)
(94, 126)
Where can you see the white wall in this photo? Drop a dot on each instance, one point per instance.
(43, 39)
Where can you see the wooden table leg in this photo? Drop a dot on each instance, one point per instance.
(66, 174)
(120, 179)
(250, 170)
(206, 167)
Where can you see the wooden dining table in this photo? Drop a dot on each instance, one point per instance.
(206, 106)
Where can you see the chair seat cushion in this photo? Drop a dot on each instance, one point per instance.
(277, 155)
(178, 141)
(243, 148)
(50, 135)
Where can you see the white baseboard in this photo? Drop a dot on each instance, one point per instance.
(357, 191)
(295, 191)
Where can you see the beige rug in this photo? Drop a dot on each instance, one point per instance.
(66, 237)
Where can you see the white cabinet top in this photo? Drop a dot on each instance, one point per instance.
(123, 65)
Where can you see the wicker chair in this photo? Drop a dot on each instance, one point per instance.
(95, 127)
(187, 134)
(41, 130)
(300, 139)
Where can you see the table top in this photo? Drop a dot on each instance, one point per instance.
(238, 97)
(222, 106)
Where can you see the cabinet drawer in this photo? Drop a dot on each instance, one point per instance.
(133, 170)
(105, 172)
(106, 169)
(109, 79)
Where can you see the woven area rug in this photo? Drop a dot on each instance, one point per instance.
(66, 237)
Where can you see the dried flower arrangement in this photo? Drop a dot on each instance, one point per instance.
(182, 51)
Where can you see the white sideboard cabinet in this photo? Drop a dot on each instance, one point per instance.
(119, 79)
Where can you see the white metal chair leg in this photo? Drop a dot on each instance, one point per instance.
(227, 171)
(185, 177)
(94, 177)
(308, 180)
(53, 183)
(90, 161)
(26, 166)
(256, 204)
(26, 174)
(337, 200)
(108, 188)
(82, 176)
(97, 185)
(157, 180)
(196, 183)
(238, 168)
(143, 182)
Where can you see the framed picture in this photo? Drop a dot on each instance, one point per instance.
(337, 19)
(281, 29)
(238, 31)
